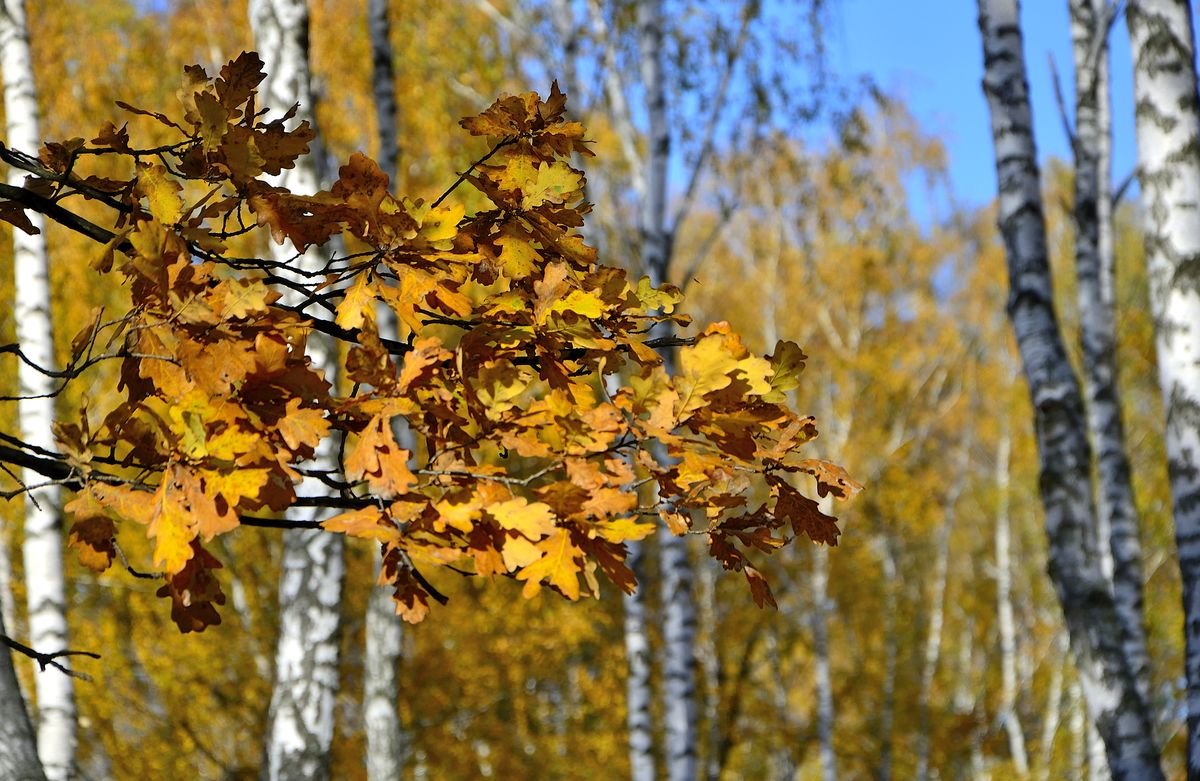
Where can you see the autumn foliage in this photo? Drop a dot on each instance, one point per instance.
(546, 433)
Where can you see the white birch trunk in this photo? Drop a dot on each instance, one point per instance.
(680, 711)
(638, 694)
(301, 720)
(1004, 613)
(932, 651)
(1168, 133)
(18, 747)
(387, 744)
(1052, 713)
(1077, 729)
(819, 587)
(45, 586)
(1083, 591)
(891, 651)
(708, 652)
(1116, 512)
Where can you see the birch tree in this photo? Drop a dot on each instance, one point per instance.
(386, 741)
(1116, 512)
(301, 717)
(18, 747)
(1168, 133)
(45, 585)
(1107, 679)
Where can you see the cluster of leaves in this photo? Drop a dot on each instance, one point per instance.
(545, 432)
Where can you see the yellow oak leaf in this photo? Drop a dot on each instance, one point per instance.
(664, 298)
(457, 515)
(358, 304)
(245, 297)
(161, 193)
(302, 427)
(171, 528)
(407, 295)
(369, 523)
(787, 362)
(555, 183)
(518, 256)
(706, 366)
(559, 566)
(379, 460)
(534, 520)
(584, 303)
(622, 530)
(519, 552)
(236, 484)
(440, 224)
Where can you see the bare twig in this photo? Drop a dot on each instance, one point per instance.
(45, 660)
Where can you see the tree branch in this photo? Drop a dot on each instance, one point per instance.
(45, 660)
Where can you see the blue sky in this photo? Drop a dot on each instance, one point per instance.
(928, 54)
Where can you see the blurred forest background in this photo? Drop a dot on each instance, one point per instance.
(929, 643)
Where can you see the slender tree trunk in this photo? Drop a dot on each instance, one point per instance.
(1004, 614)
(708, 651)
(1117, 517)
(638, 694)
(1059, 421)
(1052, 714)
(45, 585)
(1077, 729)
(18, 747)
(1168, 134)
(937, 617)
(680, 711)
(1097, 763)
(387, 744)
(819, 586)
(966, 702)
(891, 650)
(301, 721)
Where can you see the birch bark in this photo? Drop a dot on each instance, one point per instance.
(387, 743)
(1083, 591)
(1116, 511)
(18, 747)
(45, 585)
(1004, 613)
(1168, 132)
(680, 711)
(300, 720)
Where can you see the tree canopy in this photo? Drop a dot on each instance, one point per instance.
(548, 433)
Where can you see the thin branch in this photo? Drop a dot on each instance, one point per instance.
(62, 216)
(506, 141)
(714, 117)
(1061, 102)
(45, 660)
(1119, 192)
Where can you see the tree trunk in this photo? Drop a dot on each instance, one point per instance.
(387, 744)
(18, 747)
(1095, 629)
(1168, 132)
(1004, 614)
(45, 585)
(708, 652)
(891, 651)
(937, 616)
(1052, 713)
(819, 583)
(680, 711)
(300, 728)
(638, 694)
(1117, 516)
